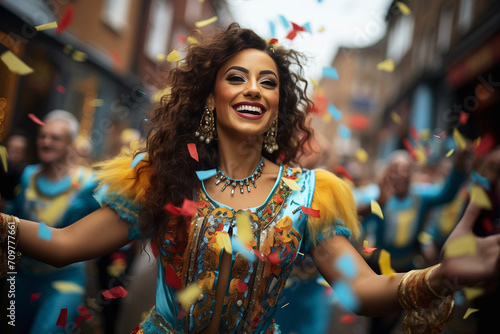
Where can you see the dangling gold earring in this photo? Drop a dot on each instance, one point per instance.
(270, 144)
(206, 131)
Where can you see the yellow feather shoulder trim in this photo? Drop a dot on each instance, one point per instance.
(124, 179)
(334, 199)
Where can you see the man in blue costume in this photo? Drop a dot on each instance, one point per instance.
(55, 192)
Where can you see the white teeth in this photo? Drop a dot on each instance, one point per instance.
(249, 108)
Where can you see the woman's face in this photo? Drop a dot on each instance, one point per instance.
(246, 95)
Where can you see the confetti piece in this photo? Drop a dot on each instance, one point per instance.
(307, 26)
(472, 292)
(295, 30)
(242, 287)
(240, 248)
(259, 254)
(96, 102)
(469, 311)
(272, 28)
(117, 61)
(463, 245)
(171, 277)
(84, 313)
(336, 114)
(274, 257)
(15, 64)
(321, 29)
(67, 49)
(346, 265)
(223, 240)
(331, 73)
(154, 249)
(420, 155)
(3, 156)
(67, 287)
(113, 293)
(173, 56)
(311, 212)
(481, 180)
(361, 155)
(347, 318)
(344, 131)
(284, 22)
(403, 8)
(189, 207)
(44, 232)
(291, 184)
(314, 82)
(463, 117)
(161, 57)
(76, 185)
(479, 197)
(459, 139)
(46, 26)
(243, 226)
(369, 250)
(169, 207)
(384, 262)
(193, 152)
(63, 316)
(35, 296)
(66, 19)
(36, 119)
(137, 159)
(285, 305)
(79, 56)
(61, 89)
(272, 41)
(181, 38)
(414, 133)
(342, 171)
(376, 210)
(204, 23)
(206, 174)
(386, 65)
(192, 40)
(345, 294)
(189, 295)
(450, 152)
(323, 282)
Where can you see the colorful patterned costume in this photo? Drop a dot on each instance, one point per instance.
(282, 232)
(57, 204)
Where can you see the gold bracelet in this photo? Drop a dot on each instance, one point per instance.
(9, 256)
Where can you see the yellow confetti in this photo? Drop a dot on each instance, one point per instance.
(421, 156)
(403, 8)
(204, 23)
(46, 26)
(67, 49)
(323, 282)
(461, 246)
(191, 40)
(173, 56)
(3, 155)
(477, 141)
(425, 134)
(386, 65)
(285, 305)
(321, 29)
(459, 139)
(327, 118)
(395, 117)
(450, 152)
(243, 225)
(473, 292)
(424, 238)
(189, 295)
(384, 262)
(67, 287)
(161, 57)
(376, 210)
(96, 102)
(296, 170)
(291, 184)
(314, 82)
(222, 239)
(79, 56)
(15, 64)
(469, 311)
(361, 155)
(479, 197)
(405, 219)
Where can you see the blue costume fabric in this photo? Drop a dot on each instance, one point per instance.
(57, 204)
(259, 269)
(403, 220)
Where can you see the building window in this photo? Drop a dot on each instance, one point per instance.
(115, 13)
(444, 29)
(465, 15)
(400, 38)
(161, 16)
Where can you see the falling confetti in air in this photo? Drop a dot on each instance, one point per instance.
(223, 240)
(479, 197)
(114, 293)
(63, 316)
(386, 65)
(336, 114)
(46, 26)
(469, 311)
(346, 265)
(15, 64)
(44, 232)
(67, 287)
(403, 8)
(206, 174)
(66, 19)
(173, 56)
(137, 159)
(361, 155)
(464, 245)
(79, 56)
(244, 228)
(459, 139)
(3, 156)
(188, 295)
(35, 296)
(311, 212)
(204, 23)
(472, 292)
(331, 73)
(366, 249)
(193, 152)
(450, 152)
(384, 262)
(376, 210)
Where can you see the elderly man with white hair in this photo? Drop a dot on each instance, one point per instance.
(51, 193)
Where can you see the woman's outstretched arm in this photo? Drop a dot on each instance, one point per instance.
(95, 235)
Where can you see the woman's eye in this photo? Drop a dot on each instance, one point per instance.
(270, 83)
(235, 78)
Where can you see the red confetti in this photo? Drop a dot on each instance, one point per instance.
(181, 38)
(78, 320)
(172, 209)
(114, 293)
(171, 277)
(273, 41)
(274, 257)
(193, 152)
(61, 89)
(259, 254)
(189, 207)
(242, 287)
(311, 212)
(116, 58)
(181, 313)
(414, 133)
(485, 145)
(35, 296)
(463, 117)
(368, 250)
(76, 185)
(295, 30)
(63, 315)
(409, 148)
(154, 248)
(347, 318)
(342, 171)
(36, 119)
(66, 19)
(84, 313)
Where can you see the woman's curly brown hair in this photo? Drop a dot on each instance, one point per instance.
(173, 176)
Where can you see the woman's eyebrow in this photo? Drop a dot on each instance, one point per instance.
(239, 68)
(268, 72)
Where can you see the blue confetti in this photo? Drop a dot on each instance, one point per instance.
(307, 26)
(238, 247)
(206, 174)
(344, 131)
(346, 296)
(44, 232)
(476, 178)
(272, 28)
(336, 114)
(459, 299)
(137, 159)
(284, 21)
(346, 265)
(330, 72)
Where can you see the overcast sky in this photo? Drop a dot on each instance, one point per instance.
(333, 23)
